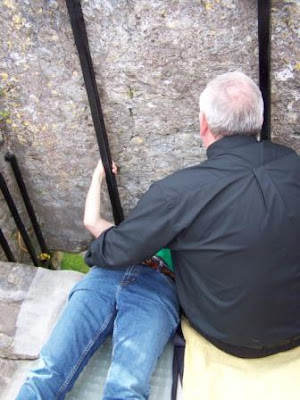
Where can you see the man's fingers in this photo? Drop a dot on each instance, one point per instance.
(100, 167)
(114, 167)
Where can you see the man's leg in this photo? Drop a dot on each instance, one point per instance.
(83, 326)
(147, 316)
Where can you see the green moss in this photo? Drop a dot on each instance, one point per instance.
(74, 262)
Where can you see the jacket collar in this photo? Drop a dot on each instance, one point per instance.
(228, 143)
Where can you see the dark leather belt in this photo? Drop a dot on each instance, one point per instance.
(159, 265)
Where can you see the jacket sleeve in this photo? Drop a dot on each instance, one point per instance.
(149, 227)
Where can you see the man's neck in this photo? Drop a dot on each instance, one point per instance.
(209, 139)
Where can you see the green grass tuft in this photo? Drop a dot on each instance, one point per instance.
(74, 262)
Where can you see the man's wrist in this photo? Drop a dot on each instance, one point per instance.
(97, 178)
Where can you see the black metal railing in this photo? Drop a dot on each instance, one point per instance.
(43, 259)
(6, 248)
(264, 45)
(82, 45)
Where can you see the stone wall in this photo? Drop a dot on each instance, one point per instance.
(152, 59)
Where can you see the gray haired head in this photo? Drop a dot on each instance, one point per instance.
(233, 105)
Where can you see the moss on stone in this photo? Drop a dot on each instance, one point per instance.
(74, 262)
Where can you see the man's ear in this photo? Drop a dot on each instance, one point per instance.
(203, 124)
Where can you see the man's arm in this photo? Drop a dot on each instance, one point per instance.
(92, 217)
(151, 225)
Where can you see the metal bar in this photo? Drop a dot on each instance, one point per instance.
(6, 248)
(18, 176)
(16, 216)
(82, 45)
(264, 42)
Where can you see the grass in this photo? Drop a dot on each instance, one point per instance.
(74, 262)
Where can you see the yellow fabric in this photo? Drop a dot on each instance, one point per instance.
(211, 374)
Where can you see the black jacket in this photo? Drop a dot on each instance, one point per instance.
(233, 224)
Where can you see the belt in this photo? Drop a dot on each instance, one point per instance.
(159, 265)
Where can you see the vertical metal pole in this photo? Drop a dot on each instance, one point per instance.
(82, 45)
(264, 41)
(21, 184)
(18, 221)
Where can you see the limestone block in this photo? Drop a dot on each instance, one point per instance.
(286, 73)
(31, 300)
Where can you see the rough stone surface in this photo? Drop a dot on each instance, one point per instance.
(30, 301)
(15, 280)
(7, 223)
(152, 59)
(7, 370)
(286, 73)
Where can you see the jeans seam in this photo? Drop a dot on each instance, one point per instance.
(84, 353)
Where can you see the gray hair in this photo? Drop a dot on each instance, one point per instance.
(232, 104)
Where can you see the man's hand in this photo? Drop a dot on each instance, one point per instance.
(99, 172)
(92, 217)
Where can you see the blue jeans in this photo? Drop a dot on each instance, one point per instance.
(137, 305)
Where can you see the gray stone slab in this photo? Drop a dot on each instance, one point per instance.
(15, 281)
(31, 300)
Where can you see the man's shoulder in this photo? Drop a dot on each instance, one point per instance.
(279, 148)
(276, 152)
(198, 174)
